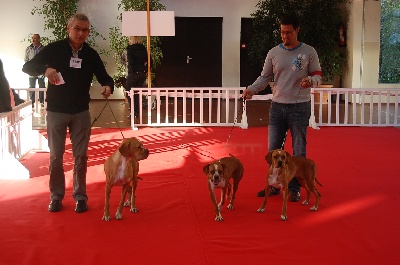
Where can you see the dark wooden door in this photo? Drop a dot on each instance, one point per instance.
(248, 73)
(193, 57)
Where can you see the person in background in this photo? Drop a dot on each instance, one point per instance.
(295, 68)
(136, 55)
(5, 96)
(69, 66)
(31, 52)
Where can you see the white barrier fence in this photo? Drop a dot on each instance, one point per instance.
(200, 106)
(355, 107)
(223, 107)
(17, 138)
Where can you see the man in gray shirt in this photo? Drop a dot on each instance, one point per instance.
(31, 52)
(294, 67)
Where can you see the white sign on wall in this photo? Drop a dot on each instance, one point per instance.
(162, 23)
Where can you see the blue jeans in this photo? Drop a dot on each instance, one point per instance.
(293, 117)
(79, 131)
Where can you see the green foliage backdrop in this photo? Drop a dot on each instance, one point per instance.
(56, 14)
(319, 23)
(389, 70)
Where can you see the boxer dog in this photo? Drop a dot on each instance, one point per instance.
(283, 167)
(121, 169)
(219, 174)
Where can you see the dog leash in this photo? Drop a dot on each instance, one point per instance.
(95, 119)
(201, 152)
(234, 123)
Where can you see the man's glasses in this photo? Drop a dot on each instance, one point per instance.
(77, 29)
(287, 32)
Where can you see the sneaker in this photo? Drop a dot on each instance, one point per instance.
(81, 206)
(55, 206)
(294, 196)
(272, 191)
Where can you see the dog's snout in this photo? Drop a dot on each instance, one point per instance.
(280, 163)
(216, 177)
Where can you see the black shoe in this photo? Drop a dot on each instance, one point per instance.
(294, 196)
(81, 206)
(55, 206)
(272, 191)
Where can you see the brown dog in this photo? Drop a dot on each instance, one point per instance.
(219, 173)
(121, 169)
(283, 167)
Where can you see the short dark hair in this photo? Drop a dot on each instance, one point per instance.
(291, 20)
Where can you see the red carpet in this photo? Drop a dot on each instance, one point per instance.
(357, 221)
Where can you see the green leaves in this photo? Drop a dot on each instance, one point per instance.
(56, 14)
(389, 67)
(319, 22)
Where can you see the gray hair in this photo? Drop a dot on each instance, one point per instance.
(80, 17)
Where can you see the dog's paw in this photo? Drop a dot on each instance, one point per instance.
(283, 218)
(314, 208)
(134, 210)
(106, 218)
(261, 210)
(219, 218)
(127, 203)
(230, 207)
(305, 202)
(118, 216)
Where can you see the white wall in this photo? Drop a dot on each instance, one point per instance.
(103, 14)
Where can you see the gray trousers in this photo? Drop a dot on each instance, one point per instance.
(79, 131)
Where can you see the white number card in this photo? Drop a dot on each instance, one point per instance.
(75, 62)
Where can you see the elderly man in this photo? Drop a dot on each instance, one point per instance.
(69, 65)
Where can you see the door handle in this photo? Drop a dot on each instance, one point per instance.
(188, 59)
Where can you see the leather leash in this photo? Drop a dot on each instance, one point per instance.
(95, 119)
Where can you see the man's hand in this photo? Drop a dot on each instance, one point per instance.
(106, 91)
(247, 94)
(306, 82)
(52, 76)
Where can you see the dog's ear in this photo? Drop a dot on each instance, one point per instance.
(268, 157)
(205, 169)
(287, 154)
(124, 148)
(223, 167)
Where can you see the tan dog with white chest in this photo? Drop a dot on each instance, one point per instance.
(121, 169)
(219, 173)
(283, 167)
